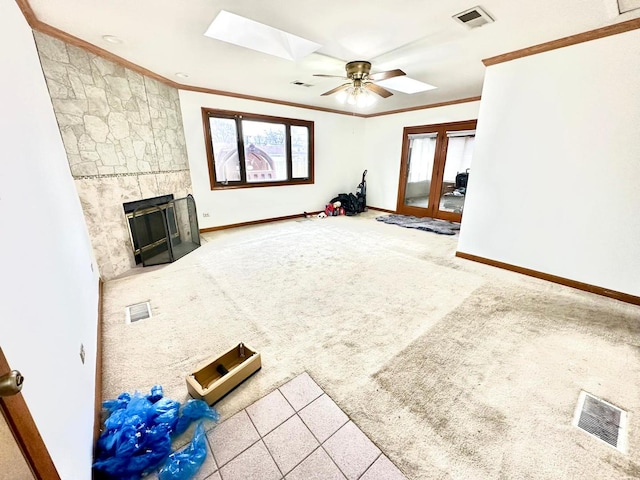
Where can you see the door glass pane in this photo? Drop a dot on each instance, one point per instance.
(456, 171)
(13, 466)
(224, 137)
(265, 151)
(300, 151)
(422, 149)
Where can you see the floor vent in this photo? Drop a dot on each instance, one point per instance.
(602, 420)
(137, 312)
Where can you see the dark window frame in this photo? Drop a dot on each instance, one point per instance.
(208, 113)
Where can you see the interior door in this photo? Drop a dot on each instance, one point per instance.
(23, 454)
(435, 166)
(419, 154)
(13, 465)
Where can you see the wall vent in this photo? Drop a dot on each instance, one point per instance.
(602, 420)
(139, 311)
(474, 17)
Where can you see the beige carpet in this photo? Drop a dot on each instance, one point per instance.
(454, 369)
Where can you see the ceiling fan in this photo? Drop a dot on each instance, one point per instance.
(361, 81)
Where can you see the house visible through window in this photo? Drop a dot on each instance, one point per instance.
(246, 150)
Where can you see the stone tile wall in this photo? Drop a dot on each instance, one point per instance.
(124, 139)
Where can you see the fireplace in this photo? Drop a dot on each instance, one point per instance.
(163, 229)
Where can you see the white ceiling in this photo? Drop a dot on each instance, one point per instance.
(417, 36)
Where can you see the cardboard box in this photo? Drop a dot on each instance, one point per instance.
(220, 375)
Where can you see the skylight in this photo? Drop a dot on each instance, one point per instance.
(232, 28)
(405, 84)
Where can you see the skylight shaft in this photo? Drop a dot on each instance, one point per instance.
(231, 28)
(405, 85)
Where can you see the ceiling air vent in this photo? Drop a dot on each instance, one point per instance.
(474, 17)
(301, 84)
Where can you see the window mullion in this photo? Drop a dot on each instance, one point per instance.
(288, 151)
(243, 167)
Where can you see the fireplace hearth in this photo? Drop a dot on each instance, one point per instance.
(163, 229)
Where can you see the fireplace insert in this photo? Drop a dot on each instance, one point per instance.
(163, 229)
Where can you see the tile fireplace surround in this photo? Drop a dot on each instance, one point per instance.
(124, 140)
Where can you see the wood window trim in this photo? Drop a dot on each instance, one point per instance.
(288, 122)
(441, 130)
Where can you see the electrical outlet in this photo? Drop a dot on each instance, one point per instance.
(205, 214)
(82, 354)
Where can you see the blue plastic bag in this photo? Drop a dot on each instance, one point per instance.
(194, 410)
(138, 432)
(183, 465)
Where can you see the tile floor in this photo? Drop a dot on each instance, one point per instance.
(294, 433)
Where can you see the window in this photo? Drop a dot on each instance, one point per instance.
(246, 150)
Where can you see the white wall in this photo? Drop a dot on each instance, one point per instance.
(557, 162)
(383, 147)
(48, 294)
(338, 163)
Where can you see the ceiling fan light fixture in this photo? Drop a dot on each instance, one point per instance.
(365, 99)
(343, 96)
(359, 97)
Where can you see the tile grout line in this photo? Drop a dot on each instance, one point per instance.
(242, 451)
(297, 414)
(311, 453)
(322, 443)
(259, 435)
(325, 450)
(349, 419)
(369, 467)
(332, 460)
(215, 462)
(254, 425)
(264, 443)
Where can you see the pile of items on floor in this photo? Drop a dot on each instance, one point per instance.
(348, 203)
(137, 436)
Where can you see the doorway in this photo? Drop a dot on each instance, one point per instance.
(434, 170)
(24, 455)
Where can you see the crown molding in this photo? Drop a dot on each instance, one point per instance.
(78, 42)
(37, 25)
(52, 31)
(602, 32)
(27, 11)
(423, 107)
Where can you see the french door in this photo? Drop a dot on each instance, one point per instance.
(435, 166)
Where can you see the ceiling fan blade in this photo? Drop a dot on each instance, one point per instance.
(384, 75)
(337, 89)
(330, 76)
(383, 92)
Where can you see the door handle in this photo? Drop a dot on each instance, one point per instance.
(11, 383)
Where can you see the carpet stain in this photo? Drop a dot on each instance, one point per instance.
(629, 469)
(493, 387)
